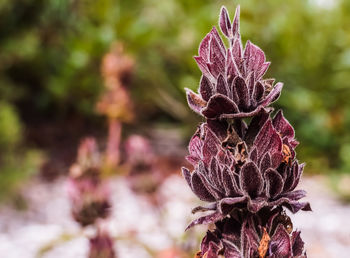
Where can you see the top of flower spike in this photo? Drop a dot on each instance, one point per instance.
(232, 84)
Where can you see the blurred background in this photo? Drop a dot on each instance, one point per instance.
(50, 81)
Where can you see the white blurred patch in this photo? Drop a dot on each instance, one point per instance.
(326, 4)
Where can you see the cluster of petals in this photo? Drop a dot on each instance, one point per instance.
(247, 175)
(267, 234)
(231, 85)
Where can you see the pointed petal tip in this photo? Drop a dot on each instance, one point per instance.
(237, 12)
(223, 9)
(235, 23)
(279, 84)
(224, 22)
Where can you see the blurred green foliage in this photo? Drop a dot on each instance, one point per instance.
(15, 164)
(51, 51)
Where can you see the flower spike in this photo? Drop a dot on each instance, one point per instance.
(247, 173)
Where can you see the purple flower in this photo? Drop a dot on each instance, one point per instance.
(244, 161)
(231, 85)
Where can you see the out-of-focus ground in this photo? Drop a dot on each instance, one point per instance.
(45, 228)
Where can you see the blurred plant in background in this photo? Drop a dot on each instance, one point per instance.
(89, 195)
(115, 103)
(51, 51)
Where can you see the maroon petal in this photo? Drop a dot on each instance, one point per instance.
(242, 92)
(215, 175)
(230, 186)
(231, 250)
(249, 240)
(195, 149)
(232, 70)
(203, 50)
(219, 104)
(251, 84)
(211, 145)
(265, 163)
(215, 36)
(225, 206)
(280, 245)
(187, 175)
(297, 171)
(305, 206)
(297, 244)
(276, 159)
(295, 195)
(193, 160)
(268, 140)
(225, 23)
(215, 69)
(235, 24)
(274, 183)
(251, 180)
(203, 171)
(213, 250)
(217, 54)
(254, 58)
(218, 127)
(195, 102)
(225, 158)
(253, 129)
(206, 88)
(258, 92)
(202, 64)
(208, 219)
(262, 70)
(293, 206)
(199, 188)
(233, 93)
(254, 155)
(208, 183)
(282, 125)
(237, 54)
(221, 86)
(273, 95)
(206, 245)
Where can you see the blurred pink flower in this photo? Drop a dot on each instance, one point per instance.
(89, 195)
(139, 150)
